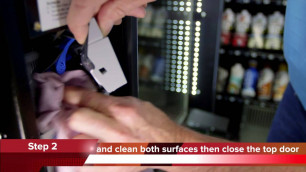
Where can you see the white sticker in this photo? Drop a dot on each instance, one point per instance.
(52, 13)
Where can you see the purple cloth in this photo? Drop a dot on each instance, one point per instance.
(53, 112)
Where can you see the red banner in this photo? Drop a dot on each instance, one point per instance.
(32, 155)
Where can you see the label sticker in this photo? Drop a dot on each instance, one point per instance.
(52, 13)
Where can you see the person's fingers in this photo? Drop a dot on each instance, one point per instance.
(112, 11)
(119, 108)
(86, 98)
(80, 14)
(93, 124)
(118, 22)
(83, 136)
(139, 12)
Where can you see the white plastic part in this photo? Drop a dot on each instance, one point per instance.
(107, 71)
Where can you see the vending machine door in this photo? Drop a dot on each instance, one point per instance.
(178, 55)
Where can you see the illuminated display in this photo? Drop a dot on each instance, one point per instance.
(183, 46)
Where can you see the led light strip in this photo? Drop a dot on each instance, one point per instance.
(186, 57)
(195, 69)
(180, 6)
(188, 6)
(199, 6)
(178, 53)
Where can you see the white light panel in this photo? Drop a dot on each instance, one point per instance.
(196, 59)
(183, 48)
(178, 57)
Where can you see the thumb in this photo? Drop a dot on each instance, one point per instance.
(106, 24)
(79, 15)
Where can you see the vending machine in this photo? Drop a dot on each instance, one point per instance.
(30, 35)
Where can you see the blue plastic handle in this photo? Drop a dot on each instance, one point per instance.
(60, 64)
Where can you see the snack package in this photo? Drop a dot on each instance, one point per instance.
(228, 20)
(243, 21)
(259, 25)
(275, 28)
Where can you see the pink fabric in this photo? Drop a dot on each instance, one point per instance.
(53, 112)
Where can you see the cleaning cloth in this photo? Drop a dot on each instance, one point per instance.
(53, 112)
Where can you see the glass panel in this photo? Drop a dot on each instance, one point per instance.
(167, 67)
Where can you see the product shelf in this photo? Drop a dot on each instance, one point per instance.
(252, 53)
(248, 101)
(276, 3)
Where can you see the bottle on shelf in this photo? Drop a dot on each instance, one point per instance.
(160, 17)
(243, 21)
(228, 20)
(158, 70)
(259, 24)
(250, 80)
(281, 82)
(222, 77)
(145, 24)
(235, 80)
(265, 83)
(275, 28)
(145, 66)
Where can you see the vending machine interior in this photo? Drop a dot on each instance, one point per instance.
(30, 46)
(178, 55)
(252, 71)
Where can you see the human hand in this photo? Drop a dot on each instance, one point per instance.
(125, 119)
(119, 119)
(107, 13)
